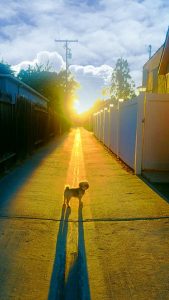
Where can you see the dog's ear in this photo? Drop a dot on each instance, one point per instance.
(84, 185)
(80, 184)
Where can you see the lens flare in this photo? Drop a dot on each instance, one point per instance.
(80, 107)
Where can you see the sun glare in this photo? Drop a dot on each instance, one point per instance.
(79, 107)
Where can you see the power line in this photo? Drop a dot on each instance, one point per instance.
(68, 53)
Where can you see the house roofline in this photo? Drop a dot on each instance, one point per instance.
(19, 82)
(162, 46)
(166, 44)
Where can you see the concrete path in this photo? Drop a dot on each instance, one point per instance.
(114, 246)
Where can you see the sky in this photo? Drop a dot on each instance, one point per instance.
(105, 29)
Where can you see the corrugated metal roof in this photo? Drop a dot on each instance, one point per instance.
(19, 82)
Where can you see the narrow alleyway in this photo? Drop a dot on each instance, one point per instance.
(113, 246)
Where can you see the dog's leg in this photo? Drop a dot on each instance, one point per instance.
(68, 199)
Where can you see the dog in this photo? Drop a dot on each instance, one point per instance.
(75, 192)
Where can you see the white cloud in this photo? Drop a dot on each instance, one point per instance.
(92, 80)
(106, 30)
(45, 58)
(100, 71)
(118, 28)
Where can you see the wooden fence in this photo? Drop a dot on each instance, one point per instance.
(23, 126)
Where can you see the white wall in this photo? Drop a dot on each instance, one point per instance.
(106, 127)
(95, 123)
(101, 126)
(137, 131)
(156, 133)
(113, 129)
(97, 116)
(127, 132)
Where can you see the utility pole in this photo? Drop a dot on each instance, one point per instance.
(67, 54)
(149, 51)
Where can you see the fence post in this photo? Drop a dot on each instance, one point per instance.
(139, 133)
(118, 124)
(110, 120)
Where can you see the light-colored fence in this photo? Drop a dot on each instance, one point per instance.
(113, 130)
(106, 127)
(137, 131)
(127, 132)
(156, 133)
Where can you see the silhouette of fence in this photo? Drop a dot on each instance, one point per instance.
(23, 125)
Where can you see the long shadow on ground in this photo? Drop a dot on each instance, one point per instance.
(76, 285)
(12, 182)
(58, 275)
(162, 189)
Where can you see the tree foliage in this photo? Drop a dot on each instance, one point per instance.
(122, 85)
(53, 86)
(5, 68)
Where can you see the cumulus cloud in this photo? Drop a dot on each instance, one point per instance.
(44, 58)
(92, 80)
(102, 72)
(106, 30)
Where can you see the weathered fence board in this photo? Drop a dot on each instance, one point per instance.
(7, 128)
(23, 126)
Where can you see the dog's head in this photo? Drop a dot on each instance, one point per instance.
(84, 185)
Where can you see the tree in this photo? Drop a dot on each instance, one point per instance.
(52, 85)
(122, 85)
(106, 91)
(5, 68)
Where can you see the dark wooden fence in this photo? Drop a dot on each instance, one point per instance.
(23, 126)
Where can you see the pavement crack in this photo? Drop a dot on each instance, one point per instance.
(126, 219)
(29, 218)
(86, 220)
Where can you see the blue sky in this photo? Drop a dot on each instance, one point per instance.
(106, 30)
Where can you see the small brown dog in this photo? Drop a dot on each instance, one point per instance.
(75, 192)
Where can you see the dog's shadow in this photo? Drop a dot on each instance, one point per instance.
(58, 275)
(76, 286)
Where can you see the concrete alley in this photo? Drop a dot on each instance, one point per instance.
(113, 246)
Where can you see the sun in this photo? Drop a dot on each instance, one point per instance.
(79, 107)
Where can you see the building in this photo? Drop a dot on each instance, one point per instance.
(156, 70)
(25, 120)
(9, 85)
